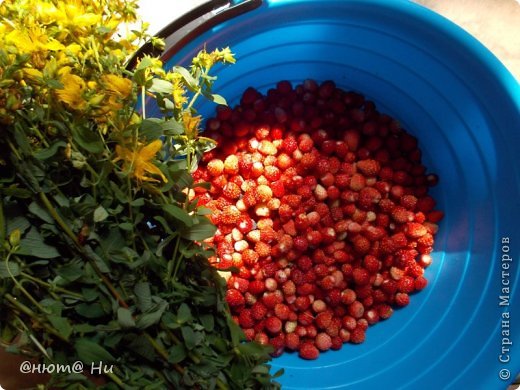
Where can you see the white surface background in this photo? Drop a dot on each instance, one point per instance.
(496, 23)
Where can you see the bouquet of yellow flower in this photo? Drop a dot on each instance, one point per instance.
(102, 259)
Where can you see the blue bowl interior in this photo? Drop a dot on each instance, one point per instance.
(463, 106)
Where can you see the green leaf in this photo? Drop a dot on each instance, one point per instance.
(61, 324)
(148, 319)
(137, 202)
(142, 347)
(89, 294)
(164, 224)
(188, 78)
(84, 328)
(151, 129)
(217, 99)
(33, 245)
(176, 354)
(143, 296)
(126, 226)
(124, 317)
(161, 86)
(237, 335)
(46, 153)
(19, 222)
(91, 352)
(190, 337)
(40, 212)
(100, 214)
(184, 313)
(179, 214)
(172, 127)
(204, 229)
(208, 322)
(71, 272)
(9, 269)
(88, 139)
(90, 310)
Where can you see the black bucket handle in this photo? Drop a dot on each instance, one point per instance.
(193, 23)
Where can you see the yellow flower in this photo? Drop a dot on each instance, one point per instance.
(118, 86)
(179, 92)
(191, 124)
(226, 55)
(72, 91)
(139, 162)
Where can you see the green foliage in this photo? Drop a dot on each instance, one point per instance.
(102, 252)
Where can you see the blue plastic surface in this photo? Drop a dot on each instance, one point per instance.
(464, 107)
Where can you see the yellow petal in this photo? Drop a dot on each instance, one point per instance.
(149, 151)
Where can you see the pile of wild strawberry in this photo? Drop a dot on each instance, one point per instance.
(322, 207)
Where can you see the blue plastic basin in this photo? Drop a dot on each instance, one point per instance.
(464, 107)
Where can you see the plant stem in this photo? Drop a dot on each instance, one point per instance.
(58, 219)
(161, 351)
(50, 286)
(21, 287)
(143, 102)
(115, 379)
(71, 235)
(3, 227)
(20, 306)
(173, 262)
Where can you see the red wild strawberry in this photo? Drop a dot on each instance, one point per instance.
(231, 165)
(292, 341)
(267, 234)
(245, 224)
(273, 325)
(249, 257)
(402, 299)
(282, 311)
(289, 288)
(305, 143)
(278, 188)
(435, 216)
(357, 335)
(406, 284)
(258, 311)
(323, 319)
(256, 287)
(401, 215)
(368, 197)
(267, 148)
(361, 244)
(245, 319)
(240, 284)
(368, 167)
(272, 173)
(215, 167)
(308, 160)
(356, 309)
(385, 311)
(262, 249)
(333, 297)
(231, 191)
(234, 298)
(415, 230)
(323, 341)
(425, 204)
(308, 351)
(420, 283)
(302, 303)
(230, 215)
(270, 299)
(289, 145)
